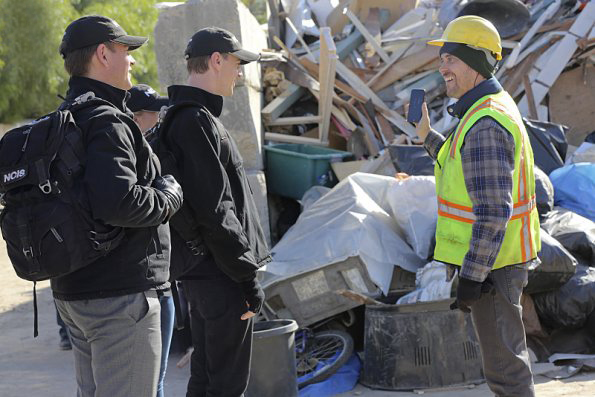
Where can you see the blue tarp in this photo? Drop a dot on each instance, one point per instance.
(574, 188)
(341, 381)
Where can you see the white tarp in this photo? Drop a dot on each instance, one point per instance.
(353, 219)
(414, 206)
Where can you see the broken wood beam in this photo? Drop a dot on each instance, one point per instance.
(273, 136)
(280, 104)
(293, 121)
(367, 35)
(396, 119)
(405, 66)
(327, 65)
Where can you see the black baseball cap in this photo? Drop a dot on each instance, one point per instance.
(209, 40)
(144, 97)
(95, 29)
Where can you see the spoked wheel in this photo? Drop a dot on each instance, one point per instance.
(321, 354)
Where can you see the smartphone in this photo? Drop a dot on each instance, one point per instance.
(418, 96)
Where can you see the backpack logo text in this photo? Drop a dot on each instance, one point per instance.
(14, 175)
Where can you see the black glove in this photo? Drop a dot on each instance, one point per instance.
(253, 294)
(167, 185)
(469, 292)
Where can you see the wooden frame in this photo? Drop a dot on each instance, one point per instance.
(326, 72)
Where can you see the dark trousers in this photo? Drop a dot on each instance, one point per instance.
(498, 322)
(220, 364)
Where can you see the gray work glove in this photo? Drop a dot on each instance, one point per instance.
(469, 292)
(167, 185)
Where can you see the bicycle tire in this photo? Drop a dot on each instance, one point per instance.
(322, 357)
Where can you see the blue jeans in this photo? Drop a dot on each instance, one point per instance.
(167, 329)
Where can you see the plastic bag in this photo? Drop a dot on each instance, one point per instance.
(571, 305)
(414, 206)
(544, 192)
(584, 154)
(556, 268)
(431, 285)
(574, 188)
(549, 144)
(342, 381)
(411, 159)
(575, 232)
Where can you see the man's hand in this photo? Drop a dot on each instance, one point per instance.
(254, 298)
(469, 292)
(172, 190)
(248, 314)
(423, 127)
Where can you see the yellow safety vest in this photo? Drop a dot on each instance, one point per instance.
(455, 214)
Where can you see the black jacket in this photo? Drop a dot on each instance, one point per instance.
(216, 188)
(119, 170)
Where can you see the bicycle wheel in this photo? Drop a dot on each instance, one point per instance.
(325, 352)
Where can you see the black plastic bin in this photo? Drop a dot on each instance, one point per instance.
(418, 346)
(273, 372)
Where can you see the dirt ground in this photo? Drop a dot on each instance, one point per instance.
(35, 367)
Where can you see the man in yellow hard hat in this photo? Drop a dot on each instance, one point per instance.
(488, 227)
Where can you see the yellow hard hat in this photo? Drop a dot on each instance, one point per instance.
(474, 31)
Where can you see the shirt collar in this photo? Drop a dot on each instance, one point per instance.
(486, 87)
(182, 93)
(78, 85)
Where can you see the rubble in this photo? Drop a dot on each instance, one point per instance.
(337, 75)
(381, 54)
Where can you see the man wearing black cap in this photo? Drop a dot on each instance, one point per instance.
(488, 226)
(222, 290)
(111, 306)
(146, 104)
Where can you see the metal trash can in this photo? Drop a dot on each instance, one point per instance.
(418, 346)
(273, 372)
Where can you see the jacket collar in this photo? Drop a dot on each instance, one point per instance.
(486, 87)
(81, 85)
(183, 93)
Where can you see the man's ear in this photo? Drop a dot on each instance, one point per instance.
(216, 60)
(101, 54)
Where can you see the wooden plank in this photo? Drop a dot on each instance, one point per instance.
(274, 23)
(571, 102)
(385, 129)
(530, 98)
(299, 37)
(396, 119)
(280, 121)
(280, 104)
(564, 51)
(273, 136)
(406, 66)
(337, 19)
(511, 60)
(344, 47)
(395, 57)
(367, 35)
(341, 86)
(328, 62)
(343, 169)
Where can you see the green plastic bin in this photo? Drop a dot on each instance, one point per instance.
(291, 169)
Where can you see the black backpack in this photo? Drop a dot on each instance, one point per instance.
(46, 221)
(189, 250)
